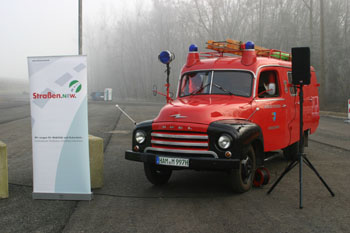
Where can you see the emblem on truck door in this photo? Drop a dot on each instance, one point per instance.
(178, 116)
(274, 115)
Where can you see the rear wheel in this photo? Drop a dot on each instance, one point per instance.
(157, 175)
(241, 179)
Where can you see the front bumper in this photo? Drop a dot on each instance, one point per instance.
(196, 163)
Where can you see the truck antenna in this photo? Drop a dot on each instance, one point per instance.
(127, 115)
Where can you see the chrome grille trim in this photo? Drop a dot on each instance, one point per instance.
(182, 151)
(164, 135)
(198, 144)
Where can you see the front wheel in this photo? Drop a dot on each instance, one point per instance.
(241, 179)
(157, 175)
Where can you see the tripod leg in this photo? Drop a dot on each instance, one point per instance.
(309, 164)
(290, 167)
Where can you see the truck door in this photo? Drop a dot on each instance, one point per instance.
(272, 114)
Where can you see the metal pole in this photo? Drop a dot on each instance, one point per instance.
(167, 83)
(348, 119)
(80, 35)
(301, 147)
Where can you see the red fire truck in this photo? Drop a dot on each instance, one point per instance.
(232, 106)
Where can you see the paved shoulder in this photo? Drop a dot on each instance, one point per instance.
(333, 131)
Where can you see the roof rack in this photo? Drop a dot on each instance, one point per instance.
(236, 47)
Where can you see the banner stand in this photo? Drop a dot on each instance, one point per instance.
(63, 196)
(58, 103)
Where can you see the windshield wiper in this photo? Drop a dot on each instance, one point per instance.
(223, 89)
(199, 90)
(217, 85)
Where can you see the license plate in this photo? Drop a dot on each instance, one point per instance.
(168, 161)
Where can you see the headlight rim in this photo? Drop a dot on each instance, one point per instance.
(229, 139)
(144, 136)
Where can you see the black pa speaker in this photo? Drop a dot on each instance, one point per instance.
(301, 66)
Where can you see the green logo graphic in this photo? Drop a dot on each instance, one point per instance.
(75, 86)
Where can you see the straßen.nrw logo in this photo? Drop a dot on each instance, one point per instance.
(75, 86)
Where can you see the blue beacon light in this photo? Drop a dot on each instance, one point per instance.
(249, 45)
(166, 57)
(193, 48)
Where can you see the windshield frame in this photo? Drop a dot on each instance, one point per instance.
(253, 76)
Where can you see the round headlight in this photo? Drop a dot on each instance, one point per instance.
(140, 136)
(224, 142)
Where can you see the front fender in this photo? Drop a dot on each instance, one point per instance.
(244, 133)
(145, 126)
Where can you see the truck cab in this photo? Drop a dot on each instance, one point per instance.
(229, 111)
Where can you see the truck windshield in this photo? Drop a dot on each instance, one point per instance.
(216, 82)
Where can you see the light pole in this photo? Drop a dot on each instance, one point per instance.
(80, 34)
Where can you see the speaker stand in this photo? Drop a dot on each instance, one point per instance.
(301, 158)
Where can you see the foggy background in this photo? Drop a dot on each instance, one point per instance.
(122, 39)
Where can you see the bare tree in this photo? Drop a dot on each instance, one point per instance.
(122, 51)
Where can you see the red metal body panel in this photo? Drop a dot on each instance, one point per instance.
(204, 109)
(173, 125)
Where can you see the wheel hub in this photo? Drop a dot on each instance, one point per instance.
(246, 166)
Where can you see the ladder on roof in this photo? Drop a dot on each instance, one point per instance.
(236, 47)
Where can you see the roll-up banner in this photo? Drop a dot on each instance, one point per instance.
(58, 102)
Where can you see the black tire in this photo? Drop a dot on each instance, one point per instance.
(157, 175)
(241, 179)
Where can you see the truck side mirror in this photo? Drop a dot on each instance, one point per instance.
(272, 89)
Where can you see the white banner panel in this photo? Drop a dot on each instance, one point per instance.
(58, 102)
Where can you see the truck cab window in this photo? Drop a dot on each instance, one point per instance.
(238, 83)
(268, 85)
(195, 83)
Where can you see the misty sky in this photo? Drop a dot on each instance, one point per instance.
(35, 28)
(42, 28)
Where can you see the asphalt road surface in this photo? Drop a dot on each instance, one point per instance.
(191, 201)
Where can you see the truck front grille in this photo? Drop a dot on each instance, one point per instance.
(180, 143)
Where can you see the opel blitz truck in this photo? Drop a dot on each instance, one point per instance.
(232, 107)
